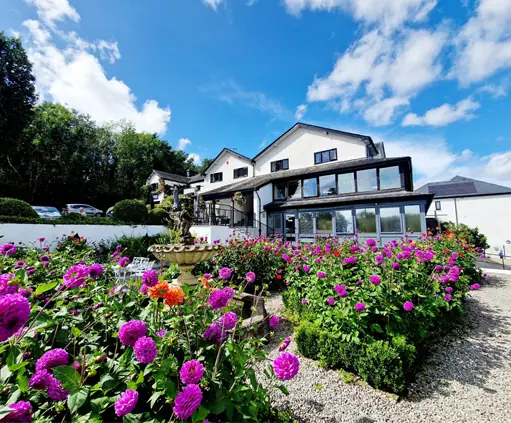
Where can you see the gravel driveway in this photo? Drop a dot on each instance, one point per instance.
(467, 377)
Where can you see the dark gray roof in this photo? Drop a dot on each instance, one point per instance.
(365, 138)
(249, 184)
(460, 186)
(390, 196)
(171, 176)
(196, 178)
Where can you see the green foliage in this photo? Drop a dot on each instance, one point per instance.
(158, 216)
(470, 235)
(86, 321)
(307, 339)
(14, 207)
(130, 211)
(18, 219)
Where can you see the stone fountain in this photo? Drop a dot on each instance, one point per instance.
(186, 254)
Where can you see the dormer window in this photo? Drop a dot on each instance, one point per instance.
(325, 156)
(215, 177)
(240, 172)
(280, 165)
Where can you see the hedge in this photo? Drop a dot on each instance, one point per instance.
(130, 211)
(15, 207)
(158, 216)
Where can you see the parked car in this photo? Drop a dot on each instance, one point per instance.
(85, 209)
(47, 212)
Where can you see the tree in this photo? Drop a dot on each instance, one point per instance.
(17, 90)
(204, 165)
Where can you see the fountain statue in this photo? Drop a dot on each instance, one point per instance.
(186, 254)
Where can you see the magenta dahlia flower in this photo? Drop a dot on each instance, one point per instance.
(250, 277)
(95, 270)
(126, 402)
(449, 289)
(475, 287)
(131, 331)
(187, 401)
(447, 297)
(321, 274)
(55, 390)
(285, 344)
(219, 298)
(8, 284)
(40, 380)
(124, 261)
(76, 275)
(21, 413)
(145, 349)
(360, 307)
(161, 333)
(286, 366)
(396, 266)
(304, 301)
(306, 268)
(8, 249)
(150, 278)
(274, 322)
(14, 313)
(371, 242)
(191, 372)
(408, 306)
(375, 280)
(229, 320)
(225, 273)
(52, 358)
(331, 301)
(214, 333)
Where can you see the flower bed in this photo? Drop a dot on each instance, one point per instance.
(365, 308)
(74, 346)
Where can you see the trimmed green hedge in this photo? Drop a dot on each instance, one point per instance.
(19, 219)
(15, 207)
(158, 216)
(130, 211)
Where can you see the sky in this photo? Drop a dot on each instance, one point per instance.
(430, 78)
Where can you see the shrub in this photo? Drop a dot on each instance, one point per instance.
(158, 216)
(19, 219)
(15, 207)
(470, 235)
(130, 211)
(80, 219)
(307, 337)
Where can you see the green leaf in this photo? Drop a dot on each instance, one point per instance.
(107, 382)
(217, 407)
(5, 410)
(99, 404)
(22, 381)
(283, 389)
(18, 366)
(45, 287)
(200, 414)
(76, 332)
(5, 373)
(229, 410)
(77, 398)
(154, 398)
(68, 376)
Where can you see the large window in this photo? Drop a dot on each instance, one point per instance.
(390, 219)
(279, 191)
(305, 224)
(390, 177)
(324, 222)
(294, 189)
(346, 183)
(327, 185)
(413, 218)
(240, 172)
(280, 165)
(366, 220)
(215, 177)
(325, 156)
(366, 180)
(310, 187)
(344, 222)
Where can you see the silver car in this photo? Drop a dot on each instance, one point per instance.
(47, 212)
(83, 209)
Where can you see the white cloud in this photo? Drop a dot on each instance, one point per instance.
(231, 92)
(213, 3)
(300, 111)
(444, 114)
(72, 75)
(496, 90)
(466, 155)
(484, 43)
(195, 158)
(383, 112)
(50, 11)
(183, 143)
(388, 13)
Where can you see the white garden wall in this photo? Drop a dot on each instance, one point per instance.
(222, 233)
(29, 233)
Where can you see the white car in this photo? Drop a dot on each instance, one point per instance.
(83, 209)
(47, 212)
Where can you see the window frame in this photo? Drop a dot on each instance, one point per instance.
(438, 205)
(273, 165)
(285, 191)
(236, 172)
(354, 178)
(400, 211)
(329, 151)
(379, 179)
(213, 177)
(376, 171)
(317, 188)
(319, 185)
(350, 211)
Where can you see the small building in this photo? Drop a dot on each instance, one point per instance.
(475, 203)
(162, 183)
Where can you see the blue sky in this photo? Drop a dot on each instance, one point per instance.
(431, 78)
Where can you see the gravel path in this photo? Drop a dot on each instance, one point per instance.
(467, 378)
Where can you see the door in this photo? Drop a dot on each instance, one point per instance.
(290, 222)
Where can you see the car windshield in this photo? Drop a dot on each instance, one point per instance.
(40, 209)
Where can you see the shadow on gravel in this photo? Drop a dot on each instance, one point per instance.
(468, 354)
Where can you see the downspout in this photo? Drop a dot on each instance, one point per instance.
(456, 211)
(259, 211)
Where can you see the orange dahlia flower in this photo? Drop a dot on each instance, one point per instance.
(175, 296)
(159, 290)
(205, 283)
